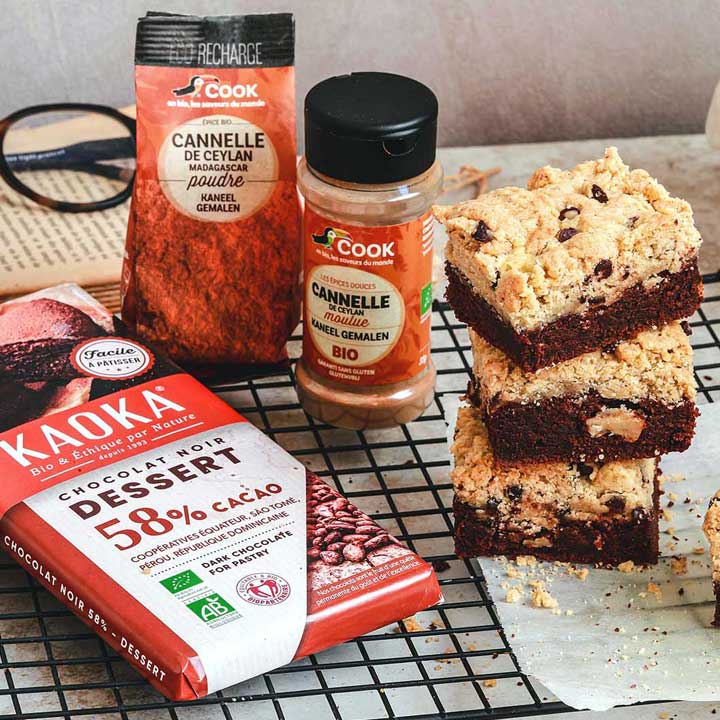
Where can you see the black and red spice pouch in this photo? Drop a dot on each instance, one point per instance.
(212, 259)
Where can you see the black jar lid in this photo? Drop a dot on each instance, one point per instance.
(370, 127)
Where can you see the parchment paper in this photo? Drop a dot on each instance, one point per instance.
(611, 640)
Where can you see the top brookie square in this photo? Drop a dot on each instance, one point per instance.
(581, 259)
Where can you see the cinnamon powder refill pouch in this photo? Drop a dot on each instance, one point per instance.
(197, 548)
(212, 260)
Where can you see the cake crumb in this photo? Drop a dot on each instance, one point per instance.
(412, 625)
(698, 551)
(541, 598)
(626, 567)
(679, 565)
(526, 560)
(655, 589)
(667, 515)
(579, 573)
(677, 477)
(490, 683)
(512, 572)
(513, 595)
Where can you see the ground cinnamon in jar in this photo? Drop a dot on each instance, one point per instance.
(369, 176)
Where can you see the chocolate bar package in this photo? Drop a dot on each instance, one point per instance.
(197, 548)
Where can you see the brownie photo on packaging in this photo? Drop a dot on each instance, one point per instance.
(212, 258)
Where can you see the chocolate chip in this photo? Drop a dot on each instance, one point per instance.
(639, 515)
(482, 233)
(440, 566)
(495, 282)
(603, 269)
(566, 233)
(569, 213)
(598, 194)
(616, 502)
(610, 347)
(492, 504)
(599, 300)
(632, 222)
(515, 492)
(685, 325)
(585, 470)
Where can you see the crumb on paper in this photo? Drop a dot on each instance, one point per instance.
(146, 571)
(655, 589)
(490, 683)
(541, 598)
(672, 496)
(670, 531)
(679, 565)
(512, 572)
(698, 551)
(626, 567)
(674, 478)
(513, 595)
(526, 560)
(667, 515)
(579, 573)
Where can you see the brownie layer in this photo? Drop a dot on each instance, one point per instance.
(561, 428)
(678, 296)
(605, 540)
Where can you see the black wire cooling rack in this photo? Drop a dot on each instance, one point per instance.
(452, 662)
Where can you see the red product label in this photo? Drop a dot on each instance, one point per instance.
(48, 451)
(212, 257)
(368, 299)
(170, 525)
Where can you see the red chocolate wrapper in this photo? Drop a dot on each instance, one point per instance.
(191, 543)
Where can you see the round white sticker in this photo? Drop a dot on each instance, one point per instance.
(112, 358)
(355, 317)
(218, 168)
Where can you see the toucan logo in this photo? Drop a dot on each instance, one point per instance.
(329, 235)
(195, 85)
(341, 242)
(212, 88)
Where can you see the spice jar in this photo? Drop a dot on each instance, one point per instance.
(368, 177)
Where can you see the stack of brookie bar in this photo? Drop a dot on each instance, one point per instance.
(574, 291)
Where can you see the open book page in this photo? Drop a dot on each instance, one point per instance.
(40, 246)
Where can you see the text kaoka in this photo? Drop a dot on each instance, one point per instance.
(43, 441)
